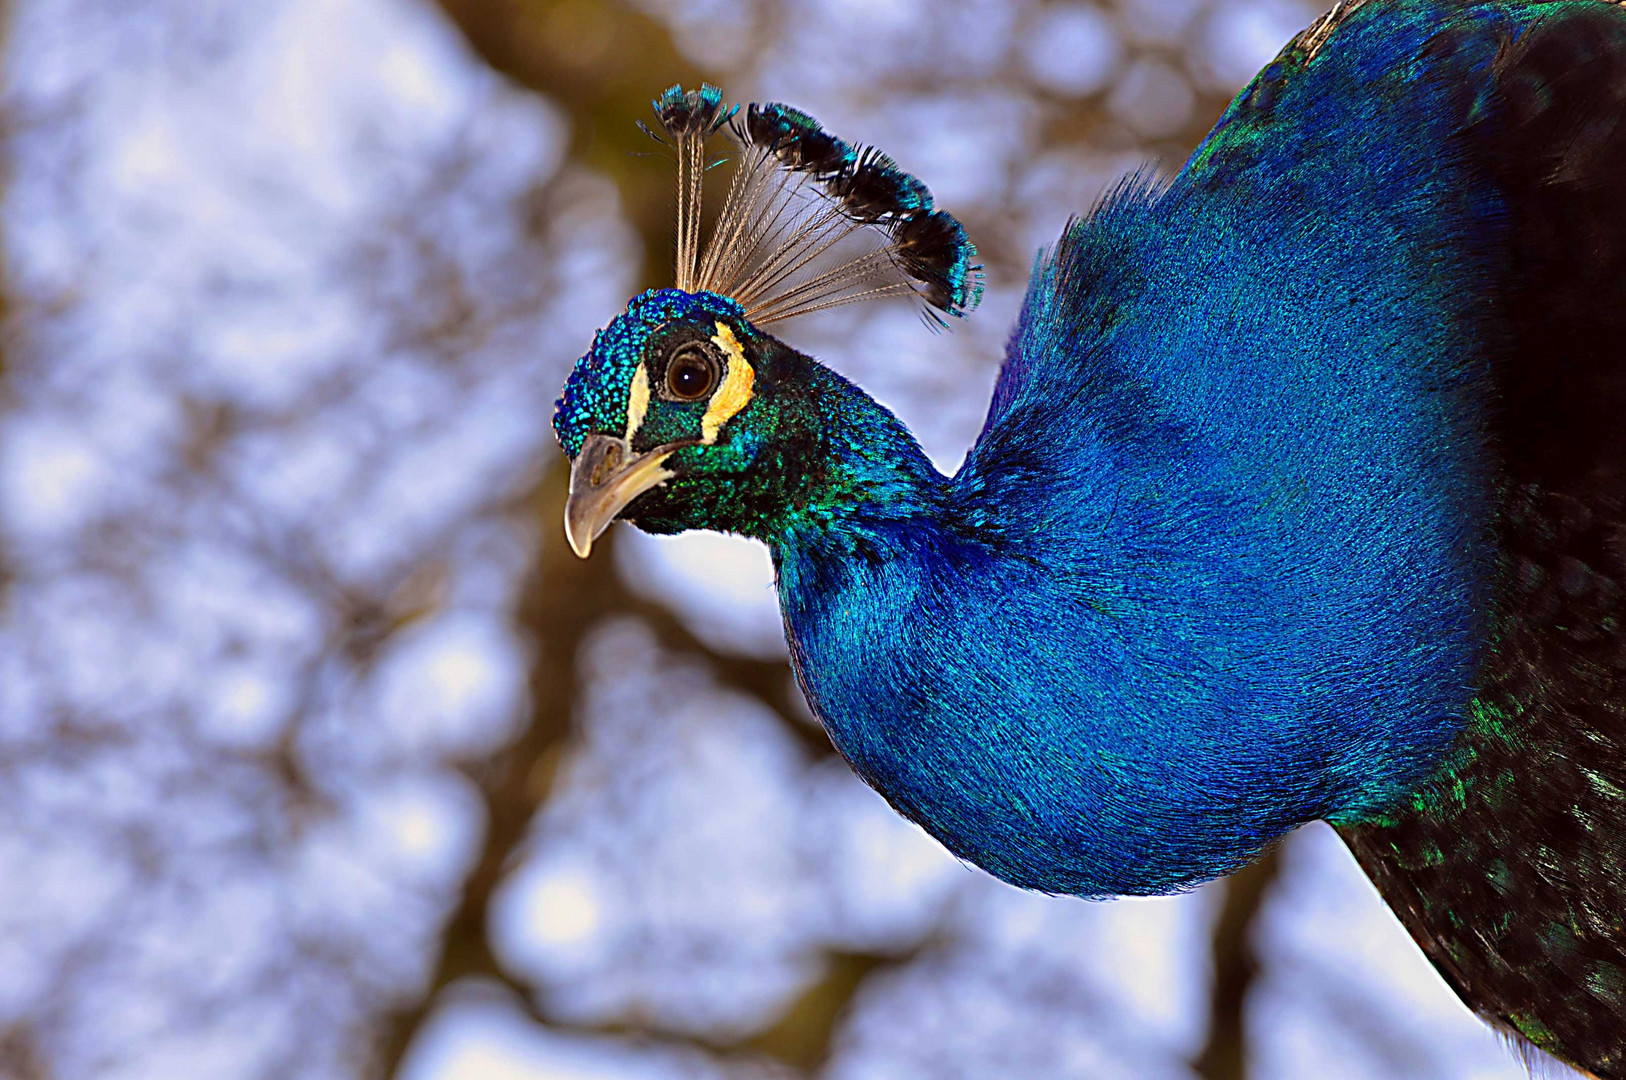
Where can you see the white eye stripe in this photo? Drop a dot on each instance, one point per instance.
(637, 402)
(735, 391)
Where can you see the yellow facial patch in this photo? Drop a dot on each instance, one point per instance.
(729, 398)
(637, 402)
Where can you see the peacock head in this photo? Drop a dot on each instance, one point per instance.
(669, 418)
(664, 417)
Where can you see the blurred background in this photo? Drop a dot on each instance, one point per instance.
(320, 754)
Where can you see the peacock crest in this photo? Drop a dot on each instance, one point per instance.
(809, 221)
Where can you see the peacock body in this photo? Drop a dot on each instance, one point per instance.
(1299, 497)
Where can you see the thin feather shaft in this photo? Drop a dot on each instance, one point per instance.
(691, 167)
(798, 258)
(810, 240)
(769, 234)
(733, 219)
(896, 288)
(745, 214)
(840, 276)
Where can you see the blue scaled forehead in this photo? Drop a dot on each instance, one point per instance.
(595, 397)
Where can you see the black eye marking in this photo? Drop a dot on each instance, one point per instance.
(692, 373)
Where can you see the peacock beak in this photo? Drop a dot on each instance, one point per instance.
(604, 478)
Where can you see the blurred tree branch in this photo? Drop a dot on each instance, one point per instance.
(6, 123)
(565, 597)
(1236, 965)
(804, 1034)
(797, 1044)
(20, 1057)
(600, 61)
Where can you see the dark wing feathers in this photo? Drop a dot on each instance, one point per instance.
(1510, 871)
(1558, 151)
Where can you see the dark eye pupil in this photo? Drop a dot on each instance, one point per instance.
(689, 376)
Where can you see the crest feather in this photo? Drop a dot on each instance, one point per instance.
(790, 238)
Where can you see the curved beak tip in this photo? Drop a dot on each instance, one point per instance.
(582, 545)
(604, 478)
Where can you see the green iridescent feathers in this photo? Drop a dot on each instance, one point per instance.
(809, 221)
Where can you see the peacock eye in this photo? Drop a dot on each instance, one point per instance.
(691, 374)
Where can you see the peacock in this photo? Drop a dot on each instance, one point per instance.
(1300, 494)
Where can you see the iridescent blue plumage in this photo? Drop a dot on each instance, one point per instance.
(1233, 493)
(1300, 496)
